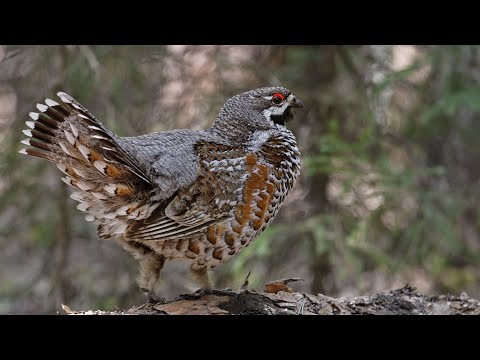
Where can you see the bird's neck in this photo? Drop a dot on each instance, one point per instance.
(238, 125)
(235, 131)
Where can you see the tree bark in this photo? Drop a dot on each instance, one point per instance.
(404, 301)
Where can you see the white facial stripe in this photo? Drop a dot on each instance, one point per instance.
(275, 110)
(280, 110)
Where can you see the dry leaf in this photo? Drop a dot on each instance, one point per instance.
(280, 285)
(275, 287)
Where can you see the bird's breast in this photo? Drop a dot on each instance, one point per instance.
(265, 179)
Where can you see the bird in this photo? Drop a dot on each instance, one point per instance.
(196, 195)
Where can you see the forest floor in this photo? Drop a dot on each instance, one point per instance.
(404, 301)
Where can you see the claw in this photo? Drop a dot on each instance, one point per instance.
(143, 306)
(152, 298)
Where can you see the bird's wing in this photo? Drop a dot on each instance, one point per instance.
(210, 199)
(111, 186)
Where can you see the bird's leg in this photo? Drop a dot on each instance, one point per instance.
(149, 276)
(202, 276)
(151, 264)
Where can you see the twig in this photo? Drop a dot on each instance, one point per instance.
(245, 283)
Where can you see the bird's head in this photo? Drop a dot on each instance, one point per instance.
(262, 108)
(274, 103)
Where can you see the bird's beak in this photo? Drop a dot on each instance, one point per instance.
(294, 102)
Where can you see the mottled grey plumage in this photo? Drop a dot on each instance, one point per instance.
(167, 157)
(200, 196)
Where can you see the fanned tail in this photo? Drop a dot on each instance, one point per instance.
(111, 186)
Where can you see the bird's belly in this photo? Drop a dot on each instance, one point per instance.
(217, 244)
(259, 204)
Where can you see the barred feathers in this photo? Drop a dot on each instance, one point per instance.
(109, 185)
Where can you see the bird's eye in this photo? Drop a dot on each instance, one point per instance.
(277, 98)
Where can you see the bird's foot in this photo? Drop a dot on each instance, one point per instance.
(142, 307)
(152, 298)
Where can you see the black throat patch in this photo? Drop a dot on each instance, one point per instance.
(282, 119)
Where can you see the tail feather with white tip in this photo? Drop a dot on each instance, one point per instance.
(110, 185)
